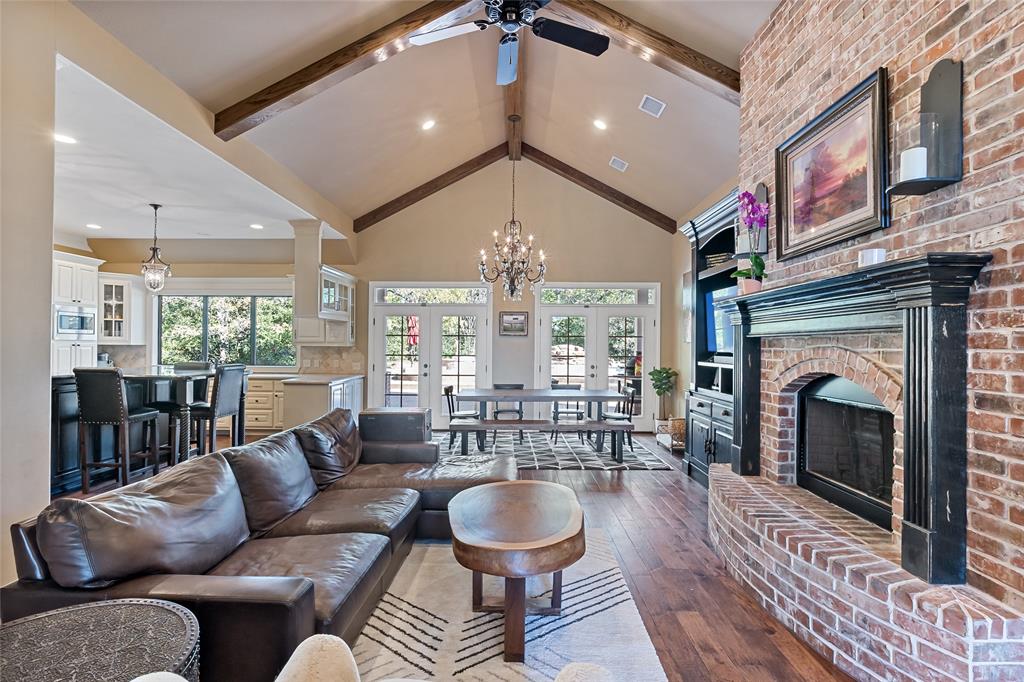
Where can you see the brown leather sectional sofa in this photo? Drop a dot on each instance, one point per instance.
(266, 543)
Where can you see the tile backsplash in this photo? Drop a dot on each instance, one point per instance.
(125, 356)
(332, 359)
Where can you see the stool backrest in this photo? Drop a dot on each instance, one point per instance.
(101, 395)
(449, 397)
(227, 389)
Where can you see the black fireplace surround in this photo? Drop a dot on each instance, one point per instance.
(924, 298)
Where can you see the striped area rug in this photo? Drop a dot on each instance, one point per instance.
(537, 451)
(425, 629)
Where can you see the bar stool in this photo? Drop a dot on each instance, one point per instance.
(449, 396)
(226, 401)
(171, 408)
(102, 400)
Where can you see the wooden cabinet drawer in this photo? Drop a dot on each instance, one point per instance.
(263, 419)
(700, 406)
(721, 413)
(261, 385)
(259, 400)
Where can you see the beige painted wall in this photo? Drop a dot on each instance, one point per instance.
(26, 234)
(586, 238)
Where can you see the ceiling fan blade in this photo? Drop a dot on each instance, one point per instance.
(570, 36)
(448, 32)
(508, 59)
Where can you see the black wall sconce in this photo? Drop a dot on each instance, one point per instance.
(937, 159)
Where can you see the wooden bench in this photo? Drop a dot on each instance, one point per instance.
(480, 427)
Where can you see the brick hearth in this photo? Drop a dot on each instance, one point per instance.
(835, 580)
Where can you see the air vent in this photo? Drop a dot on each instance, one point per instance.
(618, 164)
(652, 106)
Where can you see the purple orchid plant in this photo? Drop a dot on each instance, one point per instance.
(754, 216)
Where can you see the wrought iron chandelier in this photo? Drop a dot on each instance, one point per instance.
(154, 271)
(513, 258)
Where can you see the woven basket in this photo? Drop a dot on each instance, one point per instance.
(677, 428)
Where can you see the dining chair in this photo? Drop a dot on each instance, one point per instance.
(624, 411)
(517, 411)
(576, 411)
(449, 397)
(103, 401)
(225, 401)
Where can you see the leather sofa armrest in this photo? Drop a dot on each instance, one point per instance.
(383, 452)
(249, 625)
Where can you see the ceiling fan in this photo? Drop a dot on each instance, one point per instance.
(510, 16)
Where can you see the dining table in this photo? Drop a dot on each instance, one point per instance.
(182, 384)
(590, 396)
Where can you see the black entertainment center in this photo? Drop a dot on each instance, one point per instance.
(709, 399)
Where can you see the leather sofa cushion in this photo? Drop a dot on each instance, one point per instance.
(274, 479)
(384, 511)
(183, 520)
(331, 444)
(346, 570)
(437, 483)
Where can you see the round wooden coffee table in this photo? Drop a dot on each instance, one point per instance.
(517, 529)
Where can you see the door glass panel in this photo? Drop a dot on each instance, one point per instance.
(625, 354)
(568, 356)
(458, 351)
(401, 360)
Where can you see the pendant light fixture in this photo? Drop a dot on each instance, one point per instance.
(154, 271)
(513, 257)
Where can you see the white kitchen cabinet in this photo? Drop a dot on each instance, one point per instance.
(335, 321)
(337, 289)
(310, 396)
(122, 310)
(75, 279)
(65, 356)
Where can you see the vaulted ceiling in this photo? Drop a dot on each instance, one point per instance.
(360, 144)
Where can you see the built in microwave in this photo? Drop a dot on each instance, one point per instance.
(72, 323)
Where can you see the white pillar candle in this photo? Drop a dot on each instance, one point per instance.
(913, 163)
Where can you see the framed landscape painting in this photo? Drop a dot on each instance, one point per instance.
(830, 177)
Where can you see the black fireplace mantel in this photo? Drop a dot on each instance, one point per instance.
(925, 298)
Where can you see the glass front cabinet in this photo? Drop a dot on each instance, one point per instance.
(122, 310)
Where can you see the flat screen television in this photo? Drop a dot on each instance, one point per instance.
(719, 329)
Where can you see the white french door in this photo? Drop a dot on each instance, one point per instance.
(601, 347)
(418, 350)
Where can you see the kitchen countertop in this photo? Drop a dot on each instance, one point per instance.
(273, 376)
(320, 379)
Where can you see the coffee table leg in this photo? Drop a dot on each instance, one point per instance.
(515, 620)
(478, 591)
(556, 590)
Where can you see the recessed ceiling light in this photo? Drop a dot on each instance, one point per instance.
(427, 125)
(66, 139)
(600, 125)
(256, 226)
(618, 164)
(652, 106)
(94, 226)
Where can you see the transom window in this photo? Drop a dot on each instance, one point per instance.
(431, 295)
(254, 330)
(597, 296)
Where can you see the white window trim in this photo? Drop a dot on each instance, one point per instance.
(599, 285)
(426, 285)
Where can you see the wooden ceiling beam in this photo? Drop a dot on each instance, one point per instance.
(337, 66)
(651, 46)
(515, 93)
(606, 192)
(426, 189)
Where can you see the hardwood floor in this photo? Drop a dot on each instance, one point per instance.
(703, 625)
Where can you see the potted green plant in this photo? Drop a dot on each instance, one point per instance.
(663, 381)
(754, 217)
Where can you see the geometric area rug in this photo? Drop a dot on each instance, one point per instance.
(424, 627)
(538, 452)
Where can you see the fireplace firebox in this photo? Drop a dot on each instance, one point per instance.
(846, 448)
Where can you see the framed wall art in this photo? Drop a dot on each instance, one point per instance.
(513, 324)
(831, 176)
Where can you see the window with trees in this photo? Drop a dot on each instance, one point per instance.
(254, 330)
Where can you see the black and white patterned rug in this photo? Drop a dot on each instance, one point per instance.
(424, 627)
(537, 451)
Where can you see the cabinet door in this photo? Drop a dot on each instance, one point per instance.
(61, 357)
(698, 436)
(722, 446)
(279, 410)
(63, 282)
(86, 284)
(85, 355)
(337, 396)
(114, 312)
